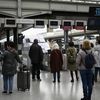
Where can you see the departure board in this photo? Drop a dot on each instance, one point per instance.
(94, 12)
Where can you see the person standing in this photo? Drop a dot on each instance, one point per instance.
(86, 73)
(97, 56)
(9, 60)
(71, 61)
(56, 62)
(36, 57)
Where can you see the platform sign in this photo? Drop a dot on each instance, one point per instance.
(39, 23)
(67, 24)
(80, 25)
(10, 22)
(94, 12)
(54, 23)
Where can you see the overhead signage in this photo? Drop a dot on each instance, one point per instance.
(94, 12)
(67, 24)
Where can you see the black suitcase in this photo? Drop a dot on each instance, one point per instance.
(23, 80)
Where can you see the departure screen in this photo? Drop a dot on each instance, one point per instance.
(80, 24)
(10, 22)
(94, 11)
(67, 23)
(39, 22)
(54, 23)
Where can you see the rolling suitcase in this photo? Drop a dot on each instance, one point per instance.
(23, 80)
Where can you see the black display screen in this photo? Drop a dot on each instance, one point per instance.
(94, 12)
(93, 24)
(10, 22)
(39, 22)
(67, 23)
(80, 24)
(53, 23)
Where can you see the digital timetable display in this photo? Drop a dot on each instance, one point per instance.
(94, 12)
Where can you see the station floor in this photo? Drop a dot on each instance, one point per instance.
(47, 90)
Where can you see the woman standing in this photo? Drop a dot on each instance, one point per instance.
(86, 74)
(9, 58)
(56, 62)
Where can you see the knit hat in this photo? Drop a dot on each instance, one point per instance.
(55, 46)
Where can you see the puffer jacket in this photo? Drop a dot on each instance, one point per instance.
(9, 62)
(80, 59)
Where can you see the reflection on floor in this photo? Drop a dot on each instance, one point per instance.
(47, 90)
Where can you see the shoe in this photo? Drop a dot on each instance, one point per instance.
(54, 81)
(39, 79)
(77, 78)
(4, 92)
(84, 98)
(72, 80)
(58, 81)
(33, 79)
(10, 92)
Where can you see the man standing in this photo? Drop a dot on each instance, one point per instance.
(36, 57)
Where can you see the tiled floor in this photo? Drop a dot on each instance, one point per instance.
(47, 90)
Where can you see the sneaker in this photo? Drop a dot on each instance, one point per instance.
(4, 92)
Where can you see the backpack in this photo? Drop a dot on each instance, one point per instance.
(71, 56)
(89, 60)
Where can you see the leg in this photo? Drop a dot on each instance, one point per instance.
(54, 77)
(71, 73)
(84, 83)
(11, 83)
(5, 83)
(76, 73)
(38, 71)
(58, 76)
(96, 72)
(89, 83)
(33, 71)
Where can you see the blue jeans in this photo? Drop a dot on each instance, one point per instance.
(87, 78)
(8, 82)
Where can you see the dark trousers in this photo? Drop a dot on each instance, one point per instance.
(76, 73)
(87, 78)
(56, 74)
(97, 69)
(8, 82)
(35, 70)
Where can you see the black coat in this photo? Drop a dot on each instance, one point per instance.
(36, 54)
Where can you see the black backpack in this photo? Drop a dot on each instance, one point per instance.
(89, 60)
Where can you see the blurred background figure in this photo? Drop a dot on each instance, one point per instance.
(36, 57)
(56, 62)
(97, 57)
(71, 60)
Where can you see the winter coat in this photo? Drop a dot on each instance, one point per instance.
(97, 55)
(9, 62)
(36, 54)
(80, 60)
(56, 60)
(72, 67)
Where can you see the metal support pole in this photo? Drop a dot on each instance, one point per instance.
(8, 34)
(66, 39)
